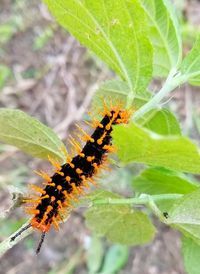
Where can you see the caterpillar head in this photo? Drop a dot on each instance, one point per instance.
(122, 116)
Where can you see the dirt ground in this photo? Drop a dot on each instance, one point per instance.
(53, 79)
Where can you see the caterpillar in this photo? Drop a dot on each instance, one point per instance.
(71, 178)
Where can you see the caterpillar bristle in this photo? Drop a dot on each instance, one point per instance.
(44, 175)
(54, 163)
(55, 223)
(71, 179)
(37, 189)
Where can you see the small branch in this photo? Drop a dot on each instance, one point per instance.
(142, 200)
(173, 81)
(7, 244)
(154, 208)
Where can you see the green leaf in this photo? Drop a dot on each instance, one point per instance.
(187, 209)
(5, 72)
(161, 121)
(185, 215)
(164, 34)
(136, 144)
(115, 30)
(28, 134)
(94, 255)
(190, 67)
(115, 259)
(191, 254)
(160, 181)
(115, 92)
(119, 223)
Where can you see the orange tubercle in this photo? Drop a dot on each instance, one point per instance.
(38, 225)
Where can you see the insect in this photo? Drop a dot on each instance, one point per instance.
(165, 214)
(71, 178)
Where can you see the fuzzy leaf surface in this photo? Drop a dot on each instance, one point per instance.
(191, 254)
(28, 134)
(136, 144)
(161, 121)
(115, 30)
(119, 223)
(164, 34)
(160, 181)
(185, 215)
(191, 64)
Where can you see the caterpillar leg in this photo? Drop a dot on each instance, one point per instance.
(20, 232)
(40, 242)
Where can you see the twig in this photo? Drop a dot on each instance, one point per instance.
(7, 244)
(174, 80)
(142, 200)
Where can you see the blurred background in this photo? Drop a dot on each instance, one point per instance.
(46, 73)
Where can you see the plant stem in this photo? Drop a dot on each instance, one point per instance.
(142, 200)
(173, 81)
